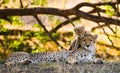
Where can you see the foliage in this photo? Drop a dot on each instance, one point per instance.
(109, 10)
(5, 1)
(40, 2)
(16, 20)
(21, 40)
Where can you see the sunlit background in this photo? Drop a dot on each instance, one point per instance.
(25, 34)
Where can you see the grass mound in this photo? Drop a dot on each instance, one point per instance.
(62, 68)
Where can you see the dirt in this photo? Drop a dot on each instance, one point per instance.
(62, 68)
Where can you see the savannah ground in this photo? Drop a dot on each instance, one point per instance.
(110, 67)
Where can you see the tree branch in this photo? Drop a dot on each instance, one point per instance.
(97, 18)
(107, 45)
(58, 12)
(33, 11)
(49, 34)
(97, 27)
(64, 23)
(21, 4)
(93, 5)
(5, 13)
(104, 30)
(94, 10)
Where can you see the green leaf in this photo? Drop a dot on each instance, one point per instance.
(58, 21)
(3, 22)
(16, 20)
(106, 0)
(36, 25)
(44, 2)
(109, 10)
(14, 0)
(40, 2)
(27, 34)
(5, 1)
(55, 35)
(39, 50)
(36, 2)
(87, 0)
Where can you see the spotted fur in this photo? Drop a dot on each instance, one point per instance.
(17, 57)
(78, 56)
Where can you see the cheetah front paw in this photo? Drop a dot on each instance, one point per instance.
(98, 62)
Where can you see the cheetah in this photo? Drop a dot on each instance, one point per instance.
(85, 53)
(85, 43)
(80, 32)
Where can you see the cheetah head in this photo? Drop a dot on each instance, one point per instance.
(79, 31)
(88, 42)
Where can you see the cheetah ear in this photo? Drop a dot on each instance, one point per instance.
(95, 36)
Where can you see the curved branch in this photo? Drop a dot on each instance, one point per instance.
(93, 5)
(55, 11)
(64, 23)
(97, 27)
(49, 34)
(95, 10)
(4, 13)
(34, 11)
(97, 18)
(58, 12)
(107, 45)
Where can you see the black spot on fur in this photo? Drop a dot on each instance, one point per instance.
(76, 63)
(40, 59)
(84, 54)
(81, 55)
(79, 46)
(27, 62)
(54, 60)
(48, 60)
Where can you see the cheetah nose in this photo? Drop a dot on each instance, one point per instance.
(87, 45)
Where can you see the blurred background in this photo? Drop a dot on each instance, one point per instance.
(23, 33)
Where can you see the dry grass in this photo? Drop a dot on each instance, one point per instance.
(62, 68)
